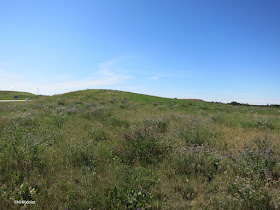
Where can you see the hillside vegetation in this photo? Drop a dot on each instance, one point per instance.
(105, 149)
(9, 95)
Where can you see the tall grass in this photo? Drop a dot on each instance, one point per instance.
(105, 149)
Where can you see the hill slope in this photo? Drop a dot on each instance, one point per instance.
(9, 95)
(106, 149)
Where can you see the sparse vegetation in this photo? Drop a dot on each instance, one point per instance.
(105, 149)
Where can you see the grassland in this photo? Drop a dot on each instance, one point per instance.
(9, 95)
(105, 149)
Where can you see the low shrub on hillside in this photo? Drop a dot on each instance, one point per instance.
(128, 199)
(249, 193)
(115, 121)
(201, 159)
(260, 159)
(69, 110)
(255, 184)
(98, 134)
(25, 192)
(196, 131)
(160, 124)
(61, 102)
(99, 112)
(141, 144)
(135, 193)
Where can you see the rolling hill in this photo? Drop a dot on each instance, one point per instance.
(107, 149)
(9, 95)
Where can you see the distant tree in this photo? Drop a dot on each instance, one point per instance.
(234, 103)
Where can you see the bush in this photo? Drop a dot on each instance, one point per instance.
(101, 112)
(61, 102)
(141, 145)
(82, 156)
(201, 159)
(234, 103)
(249, 193)
(197, 132)
(25, 192)
(155, 103)
(260, 159)
(160, 124)
(129, 199)
(66, 110)
(135, 192)
(119, 122)
(98, 134)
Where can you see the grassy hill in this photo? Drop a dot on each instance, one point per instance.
(106, 149)
(9, 95)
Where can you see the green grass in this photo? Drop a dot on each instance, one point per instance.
(106, 149)
(9, 95)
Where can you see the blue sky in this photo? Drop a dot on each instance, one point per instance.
(218, 50)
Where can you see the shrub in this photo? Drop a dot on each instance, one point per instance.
(260, 159)
(89, 105)
(186, 190)
(125, 100)
(135, 192)
(155, 103)
(82, 156)
(260, 123)
(66, 110)
(160, 124)
(25, 192)
(197, 132)
(201, 159)
(234, 103)
(119, 122)
(101, 112)
(141, 145)
(61, 102)
(23, 150)
(129, 199)
(58, 119)
(248, 193)
(98, 134)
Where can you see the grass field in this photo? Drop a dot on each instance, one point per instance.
(105, 149)
(9, 95)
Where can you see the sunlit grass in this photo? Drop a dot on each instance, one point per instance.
(104, 149)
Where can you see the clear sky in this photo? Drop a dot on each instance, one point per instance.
(216, 50)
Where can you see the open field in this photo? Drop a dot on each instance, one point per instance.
(105, 149)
